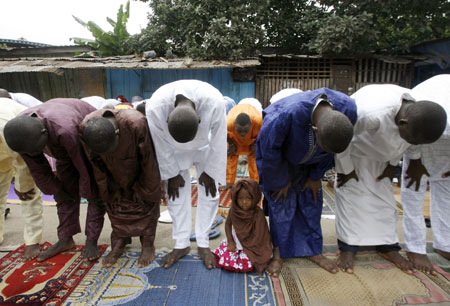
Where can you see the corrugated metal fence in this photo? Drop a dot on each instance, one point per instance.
(144, 82)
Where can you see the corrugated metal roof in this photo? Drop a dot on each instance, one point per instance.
(21, 43)
(58, 65)
(405, 59)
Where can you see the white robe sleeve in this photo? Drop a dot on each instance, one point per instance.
(168, 166)
(216, 163)
(413, 152)
(343, 161)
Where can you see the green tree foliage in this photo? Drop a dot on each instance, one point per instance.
(396, 24)
(108, 43)
(233, 29)
(292, 24)
(206, 29)
(345, 35)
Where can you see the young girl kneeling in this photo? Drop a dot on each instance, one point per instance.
(248, 243)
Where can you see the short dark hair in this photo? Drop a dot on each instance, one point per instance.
(136, 99)
(99, 134)
(183, 124)
(335, 130)
(427, 120)
(141, 107)
(4, 93)
(22, 133)
(243, 119)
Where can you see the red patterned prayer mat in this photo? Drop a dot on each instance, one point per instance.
(46, 282)
(225, 197)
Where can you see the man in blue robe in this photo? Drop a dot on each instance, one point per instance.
(295, 147)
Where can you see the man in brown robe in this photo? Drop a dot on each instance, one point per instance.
(119, 145)
(53, 128)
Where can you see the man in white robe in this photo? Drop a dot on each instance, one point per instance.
(389, 121)
(21, 98)
(433, 161)
(253, 102)
(100, 102)
(283, 94)
(205, 147)
(12, 165)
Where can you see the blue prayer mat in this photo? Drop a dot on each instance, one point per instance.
(187, 282)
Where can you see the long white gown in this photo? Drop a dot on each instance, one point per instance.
(436, 159)
(207, 152)
(366, 209)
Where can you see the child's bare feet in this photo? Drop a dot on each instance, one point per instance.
(421, 262)
(207, 257)
(31, 252)
(399, 261)
(275, 264)
(345, 262)
(274, 268)
(147, 256)
(327, 264)
(171, 258)
(60, 246)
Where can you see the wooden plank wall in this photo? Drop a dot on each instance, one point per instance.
(73, 83)
(375, 71)
(276, 73)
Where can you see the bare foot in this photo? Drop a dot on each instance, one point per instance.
(345, 262)
(118, 249)
(91, 251)
(208, 257)
(421, 262)
(444, 254)
(168, 260)
(274, 267)
(31, 252)
(227, 186)
(147, 256)
(327, 264)
(399, 261)
(275, 264)
(60, 246)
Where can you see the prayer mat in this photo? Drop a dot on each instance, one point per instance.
(46, 282)
(225, 197)
(14, 199)
(375, 281)
(187, 282)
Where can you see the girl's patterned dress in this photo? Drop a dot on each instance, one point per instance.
(232, 261)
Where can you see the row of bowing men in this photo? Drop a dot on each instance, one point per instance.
(124, 161)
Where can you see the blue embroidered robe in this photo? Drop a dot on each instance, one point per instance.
(287, 152)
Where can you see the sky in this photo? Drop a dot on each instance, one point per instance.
(51, 21)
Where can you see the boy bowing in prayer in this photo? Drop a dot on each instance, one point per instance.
(243, 124)
(53, 128)
(120, 148)
(188, 126)
(389, 122)
(295, 147)
(432, 161)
